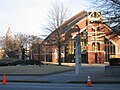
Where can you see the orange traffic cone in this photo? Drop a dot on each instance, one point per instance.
(4, 80)
(89, 83)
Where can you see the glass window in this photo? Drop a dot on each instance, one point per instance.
(93, 46)
(98, 46)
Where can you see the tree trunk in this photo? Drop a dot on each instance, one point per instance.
(59, 54)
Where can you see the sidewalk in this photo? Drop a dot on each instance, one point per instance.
(33, 70)
(57, 74)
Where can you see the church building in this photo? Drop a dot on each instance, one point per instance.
(98, 42)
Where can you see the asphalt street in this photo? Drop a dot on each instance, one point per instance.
(58, 86)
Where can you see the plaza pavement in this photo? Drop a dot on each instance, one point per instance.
(52, 73)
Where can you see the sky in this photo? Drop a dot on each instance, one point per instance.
(27, 16)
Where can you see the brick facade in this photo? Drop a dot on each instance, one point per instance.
(97, 33)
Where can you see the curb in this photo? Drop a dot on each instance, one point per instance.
(69, 82)
(95, 82)
(27, 81)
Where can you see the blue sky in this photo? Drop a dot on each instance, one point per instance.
(26, 16)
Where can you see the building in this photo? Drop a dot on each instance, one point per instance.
(9, 39)
(98, 42)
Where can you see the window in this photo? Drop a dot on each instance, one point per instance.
(93, 46)
(98, 46)
(98, 28)
(95, 15)
(93, 29)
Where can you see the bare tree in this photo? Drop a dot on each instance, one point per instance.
(22, 38)
(57, 15)
(20, 41)
(23, 41)
(111, 12)
(2, 42)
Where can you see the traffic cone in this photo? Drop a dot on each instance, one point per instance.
(4, 80)
(89, 83)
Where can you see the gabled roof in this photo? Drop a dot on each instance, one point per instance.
(69, 23)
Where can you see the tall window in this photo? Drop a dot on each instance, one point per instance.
(109, 49)
(98, 46)
(93, 46)
(83, 41)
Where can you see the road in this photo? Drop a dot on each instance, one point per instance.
(57, 86)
